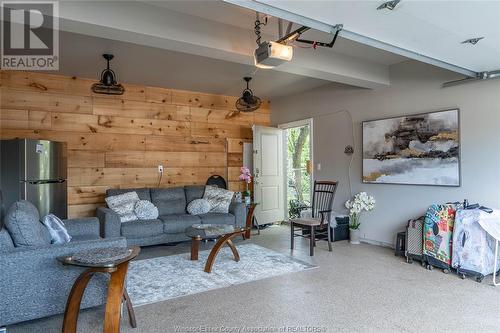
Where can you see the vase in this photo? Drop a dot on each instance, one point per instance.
(354, 236)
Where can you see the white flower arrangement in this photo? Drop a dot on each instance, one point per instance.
(361, 202)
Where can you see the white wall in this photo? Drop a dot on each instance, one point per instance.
(415, 88)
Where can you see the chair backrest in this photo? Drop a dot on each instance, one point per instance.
(217, 181)
(323, 195)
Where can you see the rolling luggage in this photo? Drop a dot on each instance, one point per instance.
(414, 236)
(473, 248)
(438, 230)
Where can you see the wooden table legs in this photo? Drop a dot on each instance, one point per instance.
(195, 248)
(116, 292)
(215, 250)
(249, 221)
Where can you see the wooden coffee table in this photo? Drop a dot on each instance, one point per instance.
(222, 232)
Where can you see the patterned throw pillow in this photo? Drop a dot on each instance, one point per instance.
(145, 210)
(123, 205)
(57, 229)
(198, 206)
(219, 199)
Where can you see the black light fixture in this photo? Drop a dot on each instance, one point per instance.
(248, 102)
(108, 85)
(472, 41)
(389, 5)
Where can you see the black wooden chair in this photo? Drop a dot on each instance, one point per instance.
(319, 223)
(217, 181)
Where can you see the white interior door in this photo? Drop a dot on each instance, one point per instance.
(268, 174)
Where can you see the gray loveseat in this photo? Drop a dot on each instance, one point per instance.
(33, 284)
(173, 218)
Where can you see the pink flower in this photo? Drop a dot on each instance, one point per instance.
(245, 174)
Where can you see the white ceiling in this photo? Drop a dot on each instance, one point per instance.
(137, 64)
(240, 17)
(432, 28)
(205, 31)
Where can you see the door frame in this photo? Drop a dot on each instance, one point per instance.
(298, 123)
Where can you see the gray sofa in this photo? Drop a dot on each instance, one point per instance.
(33, 284)
(173, 218)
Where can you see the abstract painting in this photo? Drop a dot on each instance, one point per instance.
(422, 149)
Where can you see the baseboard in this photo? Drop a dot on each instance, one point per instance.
(378, 243)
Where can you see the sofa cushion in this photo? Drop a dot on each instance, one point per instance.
(146, 210)
(177, 223)
(83, 238)
(123, 205)
(141, 228)
(194, 192)
(219, 199)
(57, 229)
(217, 218)
(198, 206)
(5, 240)
(143, 193)
(169, 200)
(23, 223)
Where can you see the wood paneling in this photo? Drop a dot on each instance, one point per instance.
(118, 141)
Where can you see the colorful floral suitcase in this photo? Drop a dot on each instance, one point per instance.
(438, 231)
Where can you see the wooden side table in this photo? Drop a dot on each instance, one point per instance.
(251, 220)
(116, 291)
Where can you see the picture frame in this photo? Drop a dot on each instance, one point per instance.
(416, 149)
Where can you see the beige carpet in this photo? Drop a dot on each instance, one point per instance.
(360, 288)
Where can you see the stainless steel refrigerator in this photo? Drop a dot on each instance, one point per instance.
(34, 170)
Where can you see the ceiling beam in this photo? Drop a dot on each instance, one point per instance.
(297, 18)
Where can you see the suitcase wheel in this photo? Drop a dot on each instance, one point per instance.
(479, 279)
(410, 261)
(446, 271)
(429, 267)
(462, 276)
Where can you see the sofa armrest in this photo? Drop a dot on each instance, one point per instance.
(34, 284)
(239, 210)
(110, 222)
(87, 226)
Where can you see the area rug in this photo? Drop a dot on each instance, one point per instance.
(159, 279)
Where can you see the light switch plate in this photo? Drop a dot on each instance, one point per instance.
(160, 170)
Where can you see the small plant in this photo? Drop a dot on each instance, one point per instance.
(246, 176)
(295, 207)
(361, 202)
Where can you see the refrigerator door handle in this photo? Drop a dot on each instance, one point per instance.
(54, 181)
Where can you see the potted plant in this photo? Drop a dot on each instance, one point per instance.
(359, 203)
(246, 176)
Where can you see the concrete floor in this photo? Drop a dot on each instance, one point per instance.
(356, 288)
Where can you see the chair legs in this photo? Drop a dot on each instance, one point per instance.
(329, 238)
(312, 242)
(312, 238)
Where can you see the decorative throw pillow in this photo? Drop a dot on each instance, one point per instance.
(145, 210)
(123, 205)
(198, 206)
(219, 199)
(57, 229)
(23, 223)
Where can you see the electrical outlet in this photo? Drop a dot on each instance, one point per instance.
(160, 168)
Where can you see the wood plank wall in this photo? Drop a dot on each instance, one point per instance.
(118, 141)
